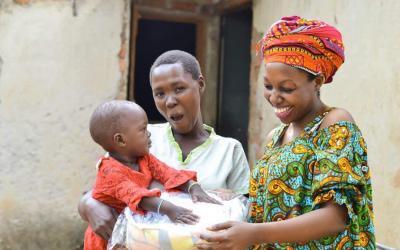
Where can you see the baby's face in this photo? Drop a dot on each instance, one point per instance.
(137, 137)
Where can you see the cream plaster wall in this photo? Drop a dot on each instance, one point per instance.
(59, 61)
(367, 85)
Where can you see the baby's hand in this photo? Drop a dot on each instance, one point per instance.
(198, 194)
(181, 215)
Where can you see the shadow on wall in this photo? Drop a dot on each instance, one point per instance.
(56, 233)
(383, 247)
(1, 65)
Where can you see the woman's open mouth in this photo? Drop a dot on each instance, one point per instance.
(282, 113)
(176, 117)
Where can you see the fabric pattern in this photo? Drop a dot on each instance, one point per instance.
(323, 165)
(119, 186)
(311, 45)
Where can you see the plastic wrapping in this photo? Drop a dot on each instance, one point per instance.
(154, 231)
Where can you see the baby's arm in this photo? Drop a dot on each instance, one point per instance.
(182, 180)
(174, 213)
(112, 184)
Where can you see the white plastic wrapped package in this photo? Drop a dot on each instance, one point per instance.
(154, 231)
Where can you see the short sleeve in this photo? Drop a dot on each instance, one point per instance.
(341, 174)
(238, 178)
(168, 176)
(113, 185)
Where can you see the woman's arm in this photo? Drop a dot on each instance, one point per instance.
(328, 220)
(82, 205)
(100, 217)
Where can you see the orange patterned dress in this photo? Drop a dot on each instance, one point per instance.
(119, 186)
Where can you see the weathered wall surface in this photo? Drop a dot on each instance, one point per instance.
(59, 59)
(367, 85)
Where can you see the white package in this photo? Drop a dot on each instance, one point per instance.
(154, 231)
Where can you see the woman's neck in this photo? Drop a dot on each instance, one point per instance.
(315, 111)
(196, 133)
(189, 141)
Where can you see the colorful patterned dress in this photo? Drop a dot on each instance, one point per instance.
(316, 167)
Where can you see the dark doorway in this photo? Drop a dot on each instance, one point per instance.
(153, 38)
(233, 110)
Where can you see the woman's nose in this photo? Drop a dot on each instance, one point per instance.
(275, 98)
(148, 134)
(171, 101)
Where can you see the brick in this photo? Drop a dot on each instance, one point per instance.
(184, 6)
(232, 4)
(154, 3)
(22, 2)
(208, 10)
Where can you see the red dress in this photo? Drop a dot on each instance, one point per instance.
(119, 186)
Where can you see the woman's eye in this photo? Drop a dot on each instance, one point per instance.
(268, 87)
(178, 90)
(286, 90)
(159, 94)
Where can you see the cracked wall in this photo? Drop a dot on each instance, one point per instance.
(60, 59)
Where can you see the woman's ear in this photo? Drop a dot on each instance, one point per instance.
(119, 139)
(319, 80)
(202, 84)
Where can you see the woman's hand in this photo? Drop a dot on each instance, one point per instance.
(180, 214)
(225, 194)
(101, 217)
(325, 221)
(199, 195)
(231, 235)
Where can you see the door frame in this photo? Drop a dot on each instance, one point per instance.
(142, 12)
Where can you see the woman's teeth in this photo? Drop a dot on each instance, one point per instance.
(281, 110)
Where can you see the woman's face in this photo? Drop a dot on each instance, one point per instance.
(177, 96)
(289, 91)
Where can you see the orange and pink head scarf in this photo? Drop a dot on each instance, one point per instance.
(311, 45)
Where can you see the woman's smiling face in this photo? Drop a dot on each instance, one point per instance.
(289, 91)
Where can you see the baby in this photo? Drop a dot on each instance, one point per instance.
(125, 174)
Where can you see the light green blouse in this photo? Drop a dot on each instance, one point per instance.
(220, 162)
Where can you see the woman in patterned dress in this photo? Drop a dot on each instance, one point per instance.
(312, 187)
